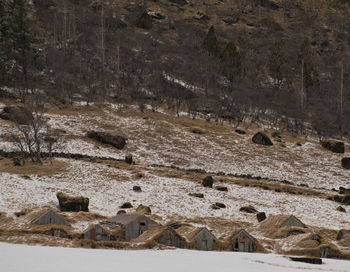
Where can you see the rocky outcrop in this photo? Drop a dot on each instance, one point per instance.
(72, 204)
(334, 146)
(262, 139)
(126, 205)
(128, 159)
(248, 209)
(136, 188)
(221, 188)
(199, 195)
(261, 216)
(106, 138)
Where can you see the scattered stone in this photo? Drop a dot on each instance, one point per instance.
(221, 188)
(341, 209)
(311, 260)
(106, 138)
(136, 188)
(303, 185)
(220, 205)
(340, 235)
(261, 216)
(72, 204)
(126, 205)
(197, 131)
(248, 209)
(343, 190)
(262, 139)
(334, 146)
(128, 159)
(345, 163)
(214, 207)
(143, 209)
(298, 144)
(276, 135)
(208, 181)
(199, 195)
(240, 131)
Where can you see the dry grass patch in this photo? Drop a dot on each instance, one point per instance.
(47, 168)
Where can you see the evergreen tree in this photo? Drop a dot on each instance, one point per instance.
(5, 45)
(277, 63)
(310, 74)
(22, 37)
(231, 59)
(210, 43)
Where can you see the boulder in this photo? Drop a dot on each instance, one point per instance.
(106, 138)
(341, 209)
(20, 115)
(128, 159)
(208, 181)
(72, 204)
(240, 131)
(261, 216)
(334, 146)
(199, 195)
(136, 188)
(248, 209)
(311, 260)
(126, 205)
(262, 139)
(220, 205)
(221, 188)
(345, 163)
(141, 209)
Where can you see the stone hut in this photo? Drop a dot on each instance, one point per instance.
(242, 241)
(133, 225)
(203, 239)
(97, 233)
(163, 235)
(50, 217)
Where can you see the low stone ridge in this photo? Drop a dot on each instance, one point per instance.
(345, 163)
(311, 260)
(334, 146)
(344, 199)
(199, 195)
(20, 115)
(261, 139)
(72, 204)
(208, 181)
(344, 191)
(106, 138)
(248, 209)
(261, 216)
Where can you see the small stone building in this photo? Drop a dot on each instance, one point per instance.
(242, 241)
(97, 233)
(163, 235)
(133, 225)
(203, 239)
(50, 217)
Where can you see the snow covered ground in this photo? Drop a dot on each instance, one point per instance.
(19, 258)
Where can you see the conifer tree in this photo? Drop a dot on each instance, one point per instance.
(277, 63)
(210, 43)
(231, 59)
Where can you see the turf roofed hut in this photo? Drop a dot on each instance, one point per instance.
(50, 217)
(133, 225)
(242, 241)
(97, 233)
(202, 239)
(161, 235)
(282, 226)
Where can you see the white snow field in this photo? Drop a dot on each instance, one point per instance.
(19, 258)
